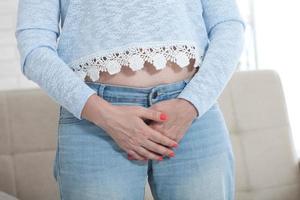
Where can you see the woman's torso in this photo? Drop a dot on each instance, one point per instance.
(113, 27)
(148, 75)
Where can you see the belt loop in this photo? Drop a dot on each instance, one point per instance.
(100, 91)
(154, 92)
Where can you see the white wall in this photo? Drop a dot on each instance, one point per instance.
(278, 46)
(10, 73)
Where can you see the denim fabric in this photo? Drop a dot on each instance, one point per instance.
(89, 165)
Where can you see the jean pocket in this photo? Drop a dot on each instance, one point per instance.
(66, 117)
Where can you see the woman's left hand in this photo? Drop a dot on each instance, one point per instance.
(180, 115)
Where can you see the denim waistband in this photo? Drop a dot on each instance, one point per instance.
(123, 93)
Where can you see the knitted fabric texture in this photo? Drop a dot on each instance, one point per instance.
(62, 41)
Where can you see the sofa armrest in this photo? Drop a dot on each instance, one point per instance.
(5, 196)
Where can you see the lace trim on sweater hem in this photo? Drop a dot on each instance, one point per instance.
(135, 58)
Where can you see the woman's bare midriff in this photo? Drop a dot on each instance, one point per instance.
(148, 76)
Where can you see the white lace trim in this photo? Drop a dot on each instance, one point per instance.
(135, 57)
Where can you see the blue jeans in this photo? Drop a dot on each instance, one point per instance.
(89, 165)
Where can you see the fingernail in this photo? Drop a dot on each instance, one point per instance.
(171, 154)
(129, 157)
(163, 116)
(175, 145)
(160, 158)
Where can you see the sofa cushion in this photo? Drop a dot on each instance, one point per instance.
(5, 196)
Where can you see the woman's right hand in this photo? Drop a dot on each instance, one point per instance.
(126, 126)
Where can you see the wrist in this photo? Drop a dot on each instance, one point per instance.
(104, 110)
(190, 108)
(95, 109)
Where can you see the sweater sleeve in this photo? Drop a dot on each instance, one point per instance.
(37, 30)
(225, 28)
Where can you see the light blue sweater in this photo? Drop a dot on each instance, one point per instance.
(55, 37)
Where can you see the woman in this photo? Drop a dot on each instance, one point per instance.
(138, 79)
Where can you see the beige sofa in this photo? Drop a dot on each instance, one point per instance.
(254, 109)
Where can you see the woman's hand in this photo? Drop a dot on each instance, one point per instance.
(125, 124)
(180, 116)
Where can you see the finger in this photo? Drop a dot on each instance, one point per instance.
(133, 155)
(152, 114)
(157, 148)
(147, 154)
(160, 138)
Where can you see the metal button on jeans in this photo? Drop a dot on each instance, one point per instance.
(154, 95)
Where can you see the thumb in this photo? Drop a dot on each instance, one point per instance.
(152, 114)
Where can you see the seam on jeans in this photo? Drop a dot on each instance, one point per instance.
(230, 174)
(171, 92)
(58, 164)
(151, 181)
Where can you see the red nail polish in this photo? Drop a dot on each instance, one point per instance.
(163, 116)
(171, 154)
(160, 158)
(129, 157)
(175, 145)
